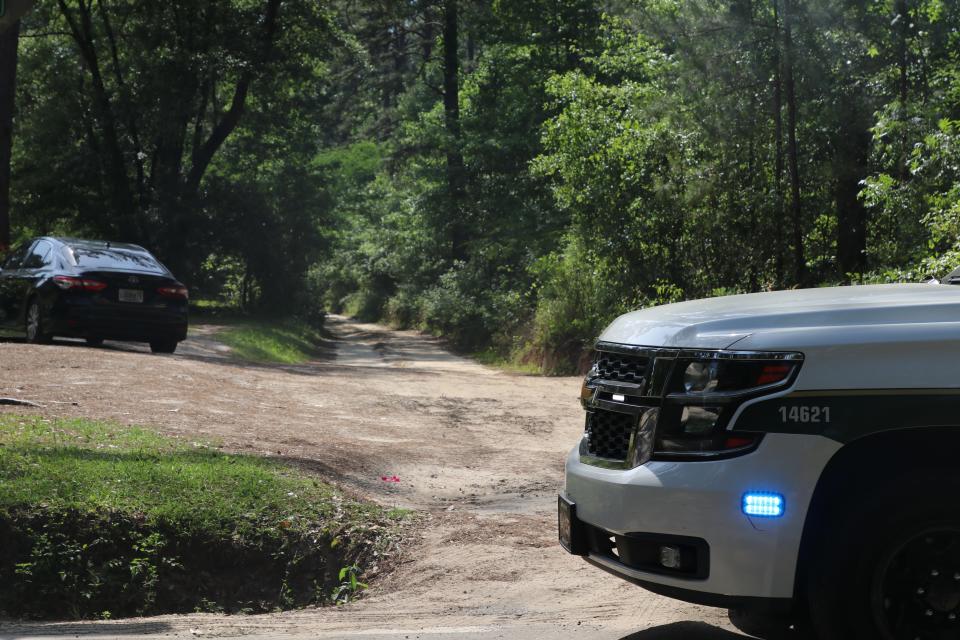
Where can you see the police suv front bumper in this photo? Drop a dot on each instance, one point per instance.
(677, 528)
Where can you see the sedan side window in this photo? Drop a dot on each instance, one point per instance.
(15, 258)
(39, 256)
(47, 258)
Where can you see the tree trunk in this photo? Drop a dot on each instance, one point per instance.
(426, 43)
(120, 195)
(9, 40)
(451, 110)
(229, 120)
(799, 262)
(471, 51)
(849, 167)
(902, 25)
(780, 201)
(851, 224)
(396, 84)
(131, 120)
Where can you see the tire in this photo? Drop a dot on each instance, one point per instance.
(33, 324)
(163, 346)
(94, 342)
(890, 569)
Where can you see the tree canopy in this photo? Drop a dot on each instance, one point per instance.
(511, 174)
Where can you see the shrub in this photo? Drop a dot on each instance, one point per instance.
(454, 308)
(575, 303)
(403, 309)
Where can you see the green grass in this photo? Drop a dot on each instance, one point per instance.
(285, 342)
(212, 307)
(87, 465)
(101, 520)
(492, 358)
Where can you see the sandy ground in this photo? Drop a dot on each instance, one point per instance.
(479, 453)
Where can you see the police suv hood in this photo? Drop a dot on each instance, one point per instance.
(796, 319)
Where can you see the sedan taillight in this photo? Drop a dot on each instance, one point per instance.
(178, 291)
(71, 282)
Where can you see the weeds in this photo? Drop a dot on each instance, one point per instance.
(350, 586)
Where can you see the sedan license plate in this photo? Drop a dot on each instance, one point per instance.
(131, 295)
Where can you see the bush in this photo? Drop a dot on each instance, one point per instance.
(403, 309)
(579, 295)
(71, 563)
(453, 308)
(364, 305)
(575, 303)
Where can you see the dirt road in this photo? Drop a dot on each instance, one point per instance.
(479, 452)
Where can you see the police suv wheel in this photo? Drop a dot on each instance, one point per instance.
(893, 573)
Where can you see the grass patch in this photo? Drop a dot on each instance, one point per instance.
(212, 306)
(98, 519)
(289, 341)
(493, 358)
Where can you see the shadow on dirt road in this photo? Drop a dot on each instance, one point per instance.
(121, 629)
(685, 631)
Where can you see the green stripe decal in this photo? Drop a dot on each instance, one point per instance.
(846, 415)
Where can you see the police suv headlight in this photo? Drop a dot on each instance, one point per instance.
(704, 393)
(701, 377)
(698, 420)
(657, 403)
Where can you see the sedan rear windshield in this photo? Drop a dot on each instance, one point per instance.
(114, 259)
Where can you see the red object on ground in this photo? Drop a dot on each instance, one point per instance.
(390, 478)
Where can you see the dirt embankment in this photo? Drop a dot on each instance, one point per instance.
(478, 453)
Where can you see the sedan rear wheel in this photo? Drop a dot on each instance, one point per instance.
(163, 346)
(34, 325)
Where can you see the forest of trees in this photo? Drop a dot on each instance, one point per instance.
(511, 174)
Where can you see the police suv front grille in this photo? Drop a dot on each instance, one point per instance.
(608, 433)
(621, 368)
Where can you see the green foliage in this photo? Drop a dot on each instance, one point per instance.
(350, 586)
(517, 360)
(458, 306)
(579, 293)
(289, 341)
(598, 157)
(919, 191)
(126, 130)
(616, 161)
(100, 519)
(402, 310)
(617, 153)
(572, 308)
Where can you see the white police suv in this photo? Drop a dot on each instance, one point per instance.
(793, 452)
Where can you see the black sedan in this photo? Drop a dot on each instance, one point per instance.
(93, 290)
